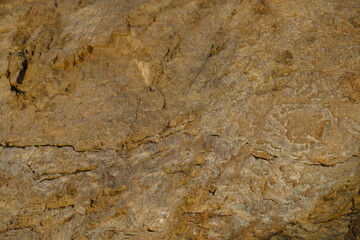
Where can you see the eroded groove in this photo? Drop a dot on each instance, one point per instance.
(53, 176)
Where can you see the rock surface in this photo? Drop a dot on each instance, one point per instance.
(179, 119)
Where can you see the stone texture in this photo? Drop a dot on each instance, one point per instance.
(179, 119)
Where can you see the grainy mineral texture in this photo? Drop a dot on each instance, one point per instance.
(179, 119)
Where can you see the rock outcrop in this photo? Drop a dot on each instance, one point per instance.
(179, 119)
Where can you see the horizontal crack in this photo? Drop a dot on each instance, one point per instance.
(320, 164)
(52, 176)
(132, 143)
(6, 145)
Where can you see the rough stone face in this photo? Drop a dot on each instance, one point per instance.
(179, 119)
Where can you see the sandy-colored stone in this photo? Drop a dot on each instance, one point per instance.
(179, 119)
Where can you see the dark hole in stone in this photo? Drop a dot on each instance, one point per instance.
(22, 72)
(212, 192)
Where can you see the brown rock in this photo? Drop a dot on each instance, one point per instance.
(179, 119)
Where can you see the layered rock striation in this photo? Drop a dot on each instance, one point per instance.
(179, 119)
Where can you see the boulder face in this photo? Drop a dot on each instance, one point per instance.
(179, 119)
